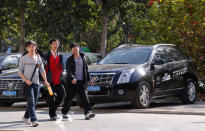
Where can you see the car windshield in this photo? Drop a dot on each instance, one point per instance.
(127, 56)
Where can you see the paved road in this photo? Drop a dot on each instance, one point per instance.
(107, 122)
(111, 117)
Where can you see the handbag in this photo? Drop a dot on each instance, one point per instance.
(25, 85)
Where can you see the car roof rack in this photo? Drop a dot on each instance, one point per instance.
(163, 44)
(138, 45)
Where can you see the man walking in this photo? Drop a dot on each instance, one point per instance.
(26, 68)
(54, 69)
(77, 78)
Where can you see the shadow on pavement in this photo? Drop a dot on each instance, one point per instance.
(11, 124)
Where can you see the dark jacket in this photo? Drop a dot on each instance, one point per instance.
(70, 69)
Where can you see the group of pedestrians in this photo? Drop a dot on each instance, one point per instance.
(77, 79)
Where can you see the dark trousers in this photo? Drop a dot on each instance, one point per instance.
(79, 88)
(32, 99)
(55, 100)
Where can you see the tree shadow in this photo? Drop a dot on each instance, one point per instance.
(12, 124)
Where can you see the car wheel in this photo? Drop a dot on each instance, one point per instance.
(189, 93)
(6, 103)
(142, 96)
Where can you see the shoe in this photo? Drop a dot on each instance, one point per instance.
(54, 118)
(35, 124)
(89, 115)
(66, 117)
(26, 121)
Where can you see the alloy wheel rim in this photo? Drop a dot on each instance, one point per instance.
(144, 95)
(191, 91)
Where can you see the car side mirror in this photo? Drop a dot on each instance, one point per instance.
(156, 62)
(97, 61)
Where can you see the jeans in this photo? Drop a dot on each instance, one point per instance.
(32, 100)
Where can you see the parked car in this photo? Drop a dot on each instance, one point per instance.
(143, 73)
(8, 61)
(10, 84)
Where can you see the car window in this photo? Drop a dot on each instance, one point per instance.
(176, 54)
(161, 54)
(11, 62)
(127, 56)
(93, 58)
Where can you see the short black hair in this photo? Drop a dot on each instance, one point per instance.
(30, 42)
(54, 40)
(74, 45)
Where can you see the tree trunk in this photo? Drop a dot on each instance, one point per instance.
(22, 30)
(103, 42)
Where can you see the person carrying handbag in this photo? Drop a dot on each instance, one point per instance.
(27, 66)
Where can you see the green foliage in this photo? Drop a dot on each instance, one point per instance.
(181, 22)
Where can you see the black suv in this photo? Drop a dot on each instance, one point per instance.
(10, 82)
(142, 73)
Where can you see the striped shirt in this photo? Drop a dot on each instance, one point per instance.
(27, 65)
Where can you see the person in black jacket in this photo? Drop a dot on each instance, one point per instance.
(77, 78)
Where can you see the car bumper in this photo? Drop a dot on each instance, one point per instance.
(117, 93)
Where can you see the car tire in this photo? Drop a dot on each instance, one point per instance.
(142, 96)
(189, 94)
(6, 103)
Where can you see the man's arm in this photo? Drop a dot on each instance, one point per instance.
(88, 74)
(44, 78)
(42, 71)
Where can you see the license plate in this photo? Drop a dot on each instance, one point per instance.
(9, 93)
(93, 88)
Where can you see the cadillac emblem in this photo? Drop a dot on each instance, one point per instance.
(10, 84)
(95, 79)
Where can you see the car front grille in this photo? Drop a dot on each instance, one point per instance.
(102, 78)
(11, 84)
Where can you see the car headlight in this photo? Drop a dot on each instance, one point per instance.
(125, 76)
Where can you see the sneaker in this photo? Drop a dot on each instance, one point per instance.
(54, 118)
(66, 117)
(26, 121)
(89, 115)
(35, 124)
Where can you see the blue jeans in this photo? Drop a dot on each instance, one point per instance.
(32, 100)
